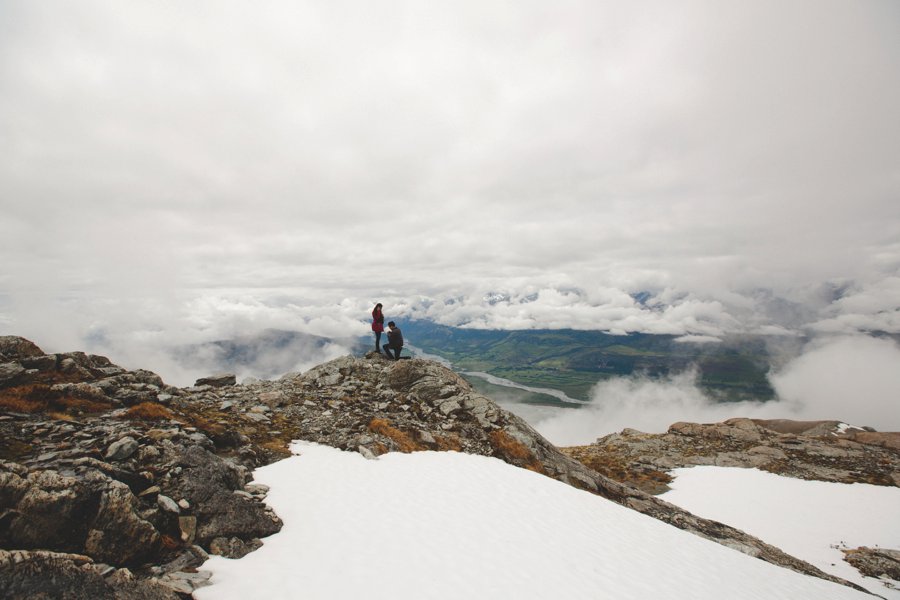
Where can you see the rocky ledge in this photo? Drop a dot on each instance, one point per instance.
(115, 485)
(818, 450)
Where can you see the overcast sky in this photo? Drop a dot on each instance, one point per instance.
(187, 170)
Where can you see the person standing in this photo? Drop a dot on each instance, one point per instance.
(377, 325)
(395, 341)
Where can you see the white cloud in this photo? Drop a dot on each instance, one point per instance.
(855, 380)
(648, 405)
(194, 168)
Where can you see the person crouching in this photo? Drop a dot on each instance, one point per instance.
(395, 341)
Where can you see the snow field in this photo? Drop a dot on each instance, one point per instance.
(435, 525)
(807, 519)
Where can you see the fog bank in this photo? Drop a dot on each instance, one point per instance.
(853, 379)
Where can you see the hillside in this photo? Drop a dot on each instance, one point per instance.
(115, 484)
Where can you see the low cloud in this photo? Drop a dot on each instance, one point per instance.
(261, 356)
(855, 380)
(648, 405)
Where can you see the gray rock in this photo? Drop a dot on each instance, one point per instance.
(208, 483)
(42, 363)
(367, 453)
(121, 449)
(425, 438)
(273, 399)
(233, 547)
(803, 449)
(92, 515)
(118, 535)
(257, 489)
(875, 562)
(167, 504)
(13, 347)
(185, 583)
(449, 406)
(42, 574)
(10, 372)
(217, 381)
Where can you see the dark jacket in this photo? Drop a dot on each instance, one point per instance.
(395, 338)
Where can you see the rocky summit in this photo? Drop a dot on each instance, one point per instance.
(116, 485)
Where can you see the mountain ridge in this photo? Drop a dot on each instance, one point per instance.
(168, 469)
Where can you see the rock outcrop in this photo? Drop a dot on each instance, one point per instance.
(876, 562)
(43, 574)
(118, 476)
(819, 450)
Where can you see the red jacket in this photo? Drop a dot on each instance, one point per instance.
(377, 321)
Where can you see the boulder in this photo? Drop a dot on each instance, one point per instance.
(13, 347)
(217, 381)
(91, 515)
(121, 449)
(11, 373)
(207, 482)
(118, 535)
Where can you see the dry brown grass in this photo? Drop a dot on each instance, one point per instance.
(277, 447)
(60, 416)
(514, 451)
(508, 446)
(21, 405)
(149, 411)
(70, 403)
(617, 468)
(448, 443)
(36, 398)
(205, 425)
(403, 441)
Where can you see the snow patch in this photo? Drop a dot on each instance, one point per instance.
(449, 525)
(811, 520)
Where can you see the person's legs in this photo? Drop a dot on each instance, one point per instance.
(387, 350)
(378, 341)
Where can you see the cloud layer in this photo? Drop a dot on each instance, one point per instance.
(186, 172)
